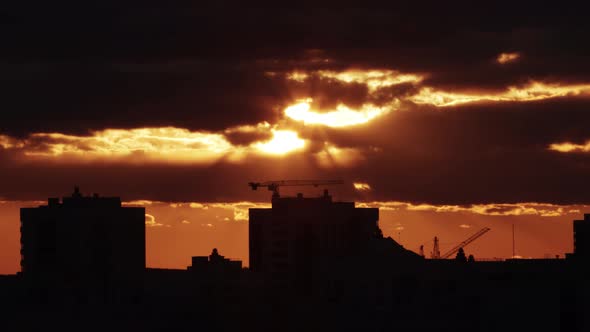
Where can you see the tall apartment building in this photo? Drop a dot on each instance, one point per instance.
(582, 237)
(83, 242)
(290, 240)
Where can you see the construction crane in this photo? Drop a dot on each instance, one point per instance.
(274, 185)
(462, 244)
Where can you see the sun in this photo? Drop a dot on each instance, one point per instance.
(282, 142)
(342, 116)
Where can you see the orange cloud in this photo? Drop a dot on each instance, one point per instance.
(297, 76)
(150, 221)
(568, 147)
(7, 142)
(140, 202)
(531, 92)
(504, 209)
(374, 79)
(240, 209)
(507, 57)
(166, 144)
(361, 186)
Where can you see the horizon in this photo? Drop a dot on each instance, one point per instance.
(196, 228)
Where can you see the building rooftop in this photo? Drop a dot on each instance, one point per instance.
(78, 200)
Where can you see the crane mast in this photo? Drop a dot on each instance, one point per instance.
(274, 185)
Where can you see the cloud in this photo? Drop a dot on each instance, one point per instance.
(247, 134)
(141, 202)
(123, 80)
(412, 101)
(361, 186)
(154, 145)
(150, 221)
(568, 147)
(504, 58)
(520, 209)
(297, 76)
(531, 92)
(166, 143)
(240, 209)
(373, 79)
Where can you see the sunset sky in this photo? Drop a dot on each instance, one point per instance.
(450, 118)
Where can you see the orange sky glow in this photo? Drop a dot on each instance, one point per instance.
(302, 127)
(177, 231)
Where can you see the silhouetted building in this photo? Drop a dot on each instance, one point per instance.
(290, 240)
(215, 265)
(582, 237)
(83, 243)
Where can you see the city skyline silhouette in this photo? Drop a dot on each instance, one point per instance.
(86, 256)
(379, 166)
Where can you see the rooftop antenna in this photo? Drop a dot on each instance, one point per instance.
(513, 244)
(435, 254)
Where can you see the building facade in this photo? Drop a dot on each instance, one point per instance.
(289, 241)
(83, 242)
(582, 237)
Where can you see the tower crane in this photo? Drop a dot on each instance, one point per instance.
(456, 248)
(274, 185)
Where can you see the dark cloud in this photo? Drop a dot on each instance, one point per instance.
(72, 68)
(77, 98)
(328, 93)
(247, 138)
(487, 153)
(78, 68)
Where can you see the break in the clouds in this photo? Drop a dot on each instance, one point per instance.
(424, 104)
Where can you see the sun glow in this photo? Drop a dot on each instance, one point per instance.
(343, 116)
(282, 142)
(531, 92)
(332, 156)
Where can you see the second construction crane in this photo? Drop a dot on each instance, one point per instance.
(274, 185)
(436, 252)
